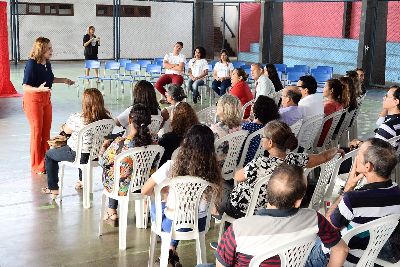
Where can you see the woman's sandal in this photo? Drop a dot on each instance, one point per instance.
(79, 185)
(47, 191)
(111, 219)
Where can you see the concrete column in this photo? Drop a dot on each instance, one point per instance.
(271, 32)
(203, 26)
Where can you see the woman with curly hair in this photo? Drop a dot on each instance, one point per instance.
(228, 112)
(196, 157)
(138, 135)
(184, 118)
(143, 93)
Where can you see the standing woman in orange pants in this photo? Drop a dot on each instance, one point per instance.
(38, 80)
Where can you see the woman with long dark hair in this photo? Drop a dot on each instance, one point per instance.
(92, 110)
(272, 74)
(138, 135)
(196, 157)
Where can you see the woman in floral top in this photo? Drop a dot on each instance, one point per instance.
(139, 135)
(228, 112)
(277, 139)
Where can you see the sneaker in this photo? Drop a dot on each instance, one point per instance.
(214, 245)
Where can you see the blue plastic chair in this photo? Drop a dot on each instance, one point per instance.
(321, 77)
(302, 68)
(123, 62)
(158, 61)
(294, 76)
(143, 63)
(132, 74)
(327, 69)
(89, 64)
(238, 64)
(153, 71)
(212, 63)
(111, 73)
(280, 67)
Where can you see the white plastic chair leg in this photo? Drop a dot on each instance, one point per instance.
(61, 181)
(201, 253)
(152, 250)
(141, 213)
(86, 188)
(165, 244)
(102, 212)
(123, 222)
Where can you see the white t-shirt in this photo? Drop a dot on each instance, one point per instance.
(223, 69)
(312, 105)
(170, 58)
(163, 173)
(198, 66)
(76, 122)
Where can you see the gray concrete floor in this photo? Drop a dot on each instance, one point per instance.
(35, 231)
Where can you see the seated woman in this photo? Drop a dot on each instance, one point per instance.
(228, 112)
(241, 89)
(336, 97)
(92, 110)
(264, 110)
(196, 157)
(138, 135)
(175, 95)
(184, 118)
(198, 71)
(143, 93)
(272, 74)
(277, 139)
(222, 74)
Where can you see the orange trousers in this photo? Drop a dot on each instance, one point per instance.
(38, 110)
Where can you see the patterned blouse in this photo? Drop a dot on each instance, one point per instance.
(253, 147)
(260, 167)
(106, 161)
(220, 130)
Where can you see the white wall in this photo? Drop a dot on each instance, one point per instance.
(140, 37)
(232, 18)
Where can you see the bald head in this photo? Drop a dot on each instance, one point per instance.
(291, 96)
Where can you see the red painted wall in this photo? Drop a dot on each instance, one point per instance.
(312, 19)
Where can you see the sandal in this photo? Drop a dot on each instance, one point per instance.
(111, 219)
(47, 191)
(79, 185)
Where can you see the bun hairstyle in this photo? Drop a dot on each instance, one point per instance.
(242, 73)
(140, 118)
(281, 135)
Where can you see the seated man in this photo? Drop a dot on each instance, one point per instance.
(311, 102)
(290, 111)
(263, 84)
(379, 197)
(282, 216)
(174, 64)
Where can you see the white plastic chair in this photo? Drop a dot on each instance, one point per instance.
(250, 209)
(143, 160)
(246, 146)
(292, 253)
(235, 140)
(308, 131)
(208, 115)
(188, 192)
(96, 132)
(342, 136)
(324, 179)
(395, 141)
(295, 127)
(245, 106)
(379, 232)
(155, 125)
(328, 142)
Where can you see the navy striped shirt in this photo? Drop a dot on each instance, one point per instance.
(370, 202)
(389, 128)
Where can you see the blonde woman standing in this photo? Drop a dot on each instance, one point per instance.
(37, 84)
(91, 44)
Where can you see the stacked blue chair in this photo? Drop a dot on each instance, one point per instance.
(293, 76)
(281, 67)
(238, 64)
(321, 77)
(302, 68)
(89, 64)
(158, 61)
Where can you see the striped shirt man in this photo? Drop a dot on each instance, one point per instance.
(389, 128)
(252, 235)
(370, 202)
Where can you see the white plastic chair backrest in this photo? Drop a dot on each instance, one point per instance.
(277, 96)
(345, 123)
(328, 141)
(246, 146)
(235, 140)
(245, 106)
(295, 127)
(156, 121)
(379, 232)
(351, 155)
(256, 192)
(323, 181)
(96, 132)
(208, 115)
(394, 141)
(143, 159)
(308, 131)
(292, 253)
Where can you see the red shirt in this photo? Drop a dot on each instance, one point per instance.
(242, 91)
(330, 107)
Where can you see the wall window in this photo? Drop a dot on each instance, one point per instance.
(52, 9)
(126, 11)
